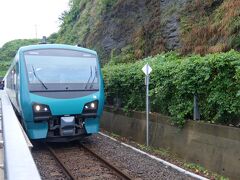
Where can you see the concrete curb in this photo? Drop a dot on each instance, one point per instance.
(158, 159)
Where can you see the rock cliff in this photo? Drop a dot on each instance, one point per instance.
(126, 30)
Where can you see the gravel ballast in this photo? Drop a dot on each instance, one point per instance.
(47, 165)
(84, 165)
(136, 164)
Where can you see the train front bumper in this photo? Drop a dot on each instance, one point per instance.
(45, 129)
(64, 117)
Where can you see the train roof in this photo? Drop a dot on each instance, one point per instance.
(56, 46)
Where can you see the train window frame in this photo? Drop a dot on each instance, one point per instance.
(11, 73)
(39, 87)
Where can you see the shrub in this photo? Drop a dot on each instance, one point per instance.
(173, 83)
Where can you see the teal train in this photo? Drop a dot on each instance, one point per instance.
(57, 91)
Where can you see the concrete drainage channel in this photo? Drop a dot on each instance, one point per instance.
(134, 163)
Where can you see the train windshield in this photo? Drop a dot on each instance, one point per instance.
(61, 69)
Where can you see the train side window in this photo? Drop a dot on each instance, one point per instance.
(8, 81)
(1, 84)
(14, 78)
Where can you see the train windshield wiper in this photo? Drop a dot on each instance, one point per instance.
(34, 72)
(95, 75)
(89, 77)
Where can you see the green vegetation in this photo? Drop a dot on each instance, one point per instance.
(4, 65)
(126, 56)
(174, 81)
(82, 19)
(9, 50)
(201, 170)
(205, 27)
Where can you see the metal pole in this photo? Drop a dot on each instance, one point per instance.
(147, 106)
(147, 70)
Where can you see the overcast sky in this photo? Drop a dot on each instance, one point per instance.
(23, 19)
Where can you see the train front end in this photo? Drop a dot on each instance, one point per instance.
(61, 92)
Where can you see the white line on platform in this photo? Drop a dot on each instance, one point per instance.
(158, 159)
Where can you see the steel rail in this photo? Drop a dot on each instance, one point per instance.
(119, 172)
(66, 170)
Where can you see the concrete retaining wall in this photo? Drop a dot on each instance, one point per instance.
(215, 147)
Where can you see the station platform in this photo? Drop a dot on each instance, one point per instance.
(16, 161)
(1, 145)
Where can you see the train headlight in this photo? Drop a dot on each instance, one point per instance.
(41, 112)
(91, 107)
(37, 108)
(41, 108)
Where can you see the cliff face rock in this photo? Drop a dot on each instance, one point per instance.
(119, 26)
(133, 29)
(171, 29)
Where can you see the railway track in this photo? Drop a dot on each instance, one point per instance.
(65, 169)
(80, 162)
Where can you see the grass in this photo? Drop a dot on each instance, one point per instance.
(168, 12)
(159, 151)
(215, 30)
(198, 169)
